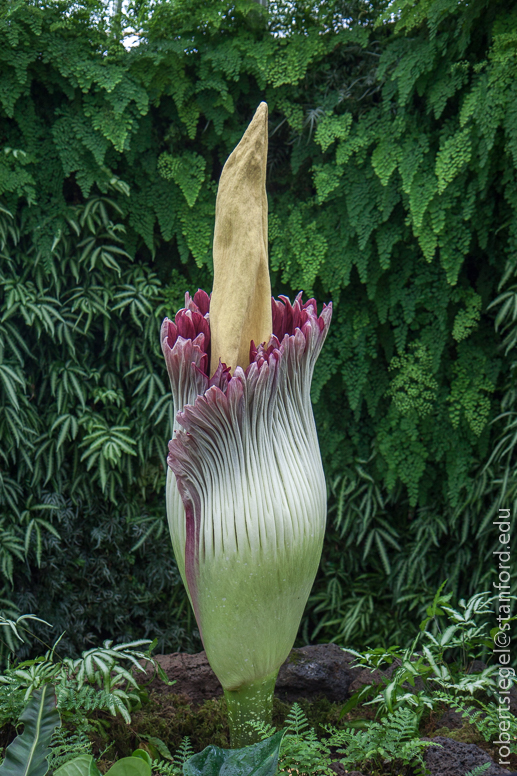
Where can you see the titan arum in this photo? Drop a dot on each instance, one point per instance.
(246, 498)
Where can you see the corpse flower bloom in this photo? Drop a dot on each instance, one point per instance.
(246, 496)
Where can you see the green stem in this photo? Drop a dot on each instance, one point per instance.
(251, 703)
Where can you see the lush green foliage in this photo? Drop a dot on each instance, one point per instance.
(485, 717)
(175, 766)
(50, 690)
(438, 668)
(392, 190)
(439, 657)
(65, 746)
(435, 676)
(96, 680)
(393, 740)
(300, 750)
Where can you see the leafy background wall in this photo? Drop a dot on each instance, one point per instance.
(392, 191)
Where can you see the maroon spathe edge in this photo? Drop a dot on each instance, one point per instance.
(192, 323)
(192, 506)
(297, 324)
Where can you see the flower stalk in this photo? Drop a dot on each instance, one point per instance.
(251, 703)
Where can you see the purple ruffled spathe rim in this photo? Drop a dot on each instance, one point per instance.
(298, 335)
(188, 336)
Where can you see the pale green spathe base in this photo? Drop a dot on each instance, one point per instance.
(251, 703)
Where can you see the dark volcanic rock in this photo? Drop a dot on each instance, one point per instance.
(451, 719)
(308, 672)
(323, 669)
(455, 759)
(193, 675)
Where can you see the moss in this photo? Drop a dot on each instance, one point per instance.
(168, 717)
(321, 712)
(171, 717)
(280, 712)
(466, 734)
(295, 656)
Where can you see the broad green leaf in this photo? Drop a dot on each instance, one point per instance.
(84, 765)
(130, 766)
(143, 755)
(158, 744)
(27, 754)
(257, 760)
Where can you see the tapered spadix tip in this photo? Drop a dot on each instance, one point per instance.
(240, 310)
